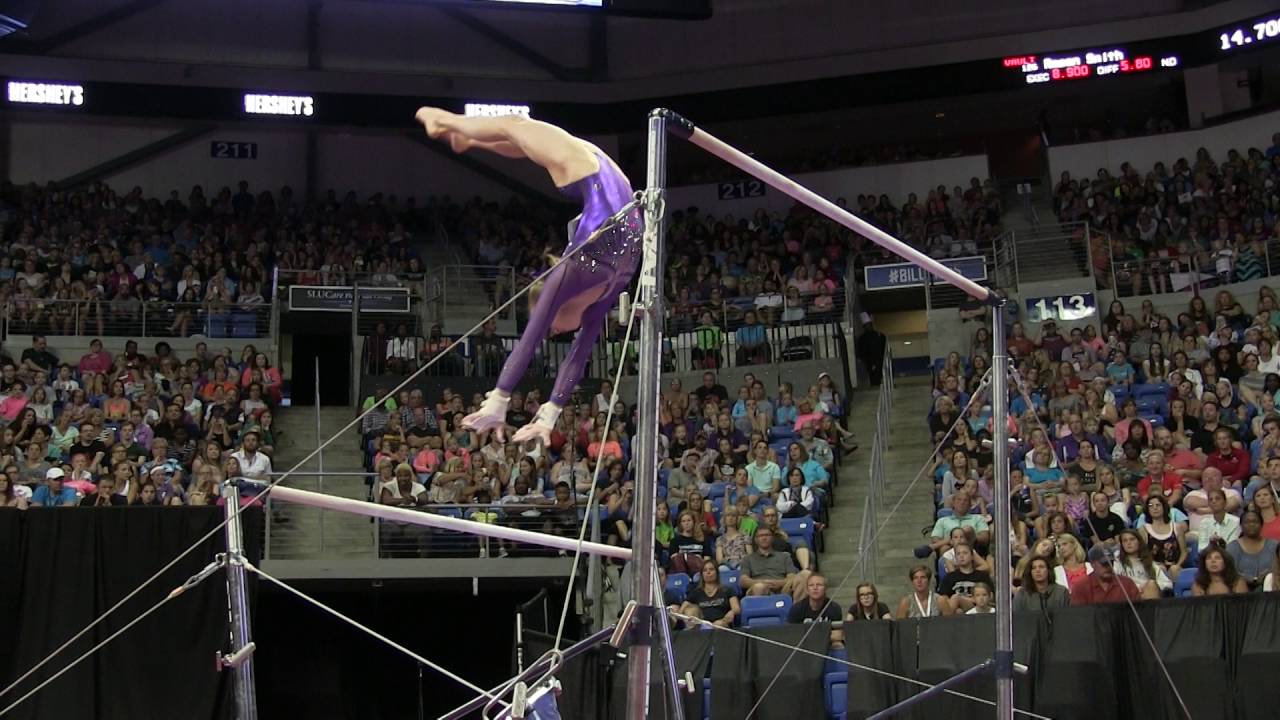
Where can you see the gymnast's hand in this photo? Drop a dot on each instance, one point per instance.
(533, 431)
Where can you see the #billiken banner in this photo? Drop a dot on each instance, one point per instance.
(895, 276)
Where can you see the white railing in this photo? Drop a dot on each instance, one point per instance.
(136, 318)
(868, 543)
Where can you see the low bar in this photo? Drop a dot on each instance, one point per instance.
(440, 522)
(938, 689)
(567, 654)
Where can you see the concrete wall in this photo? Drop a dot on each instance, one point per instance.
(1084, 159)
(896, 181)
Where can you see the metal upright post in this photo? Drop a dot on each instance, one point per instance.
(650, 305)
(319, 452)
(238, 607)
(1000, 532)
(356, 347)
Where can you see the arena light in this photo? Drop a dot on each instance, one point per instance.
(35, 93)
(562, 3)
(492, 110)
(289, 105)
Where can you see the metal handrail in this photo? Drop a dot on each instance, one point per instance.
(1194, 272)
(868, 543)
(149, 318)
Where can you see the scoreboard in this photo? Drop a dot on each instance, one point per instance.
(1102, 62)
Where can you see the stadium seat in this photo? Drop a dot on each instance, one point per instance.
(762, 610)
(706, 697)
(244, 325)
(798, 527)
(717, 490)
(1150, 390)
(835, 686)
(731, 578)
(675, 588)
(1182, 585)
(1152, 405)
(782, 432)
(1193, 553)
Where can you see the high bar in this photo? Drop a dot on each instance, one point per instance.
(440, 522)
(683, 128)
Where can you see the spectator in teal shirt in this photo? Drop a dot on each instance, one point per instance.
(753, 347)
(1119, 370)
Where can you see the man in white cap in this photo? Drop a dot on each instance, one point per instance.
(53, 493)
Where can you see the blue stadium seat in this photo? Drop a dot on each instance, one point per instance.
(731, 578)
(717, 490)
(835, 686)
(1150, 390)
(706, 696)
(244, 325)
(1193, 554)
(782, 432)
(1152, 405)
(798, 527)
(1182, 584)
(762, 610)
(676, 586)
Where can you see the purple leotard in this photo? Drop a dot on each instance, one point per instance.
(602, 266)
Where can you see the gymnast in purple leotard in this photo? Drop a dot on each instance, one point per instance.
(602, 255)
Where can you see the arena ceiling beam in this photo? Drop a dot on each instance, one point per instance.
(133, 157)
(514, 45)
(97, 23)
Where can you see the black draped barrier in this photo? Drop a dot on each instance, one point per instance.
(741, 670)
(61, 568)
(692, 652)
(1090, 663)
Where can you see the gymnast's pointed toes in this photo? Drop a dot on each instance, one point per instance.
(458, 143)
(430, 118)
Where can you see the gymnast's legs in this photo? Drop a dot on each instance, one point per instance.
(567, 159)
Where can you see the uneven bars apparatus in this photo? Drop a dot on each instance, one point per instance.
(650, 304)
(646, 432)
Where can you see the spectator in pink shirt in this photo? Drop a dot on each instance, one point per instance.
(96, 360)
(807, 415)
(13, 403)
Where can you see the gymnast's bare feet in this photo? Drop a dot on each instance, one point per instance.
(433, 120)
(458, 142)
